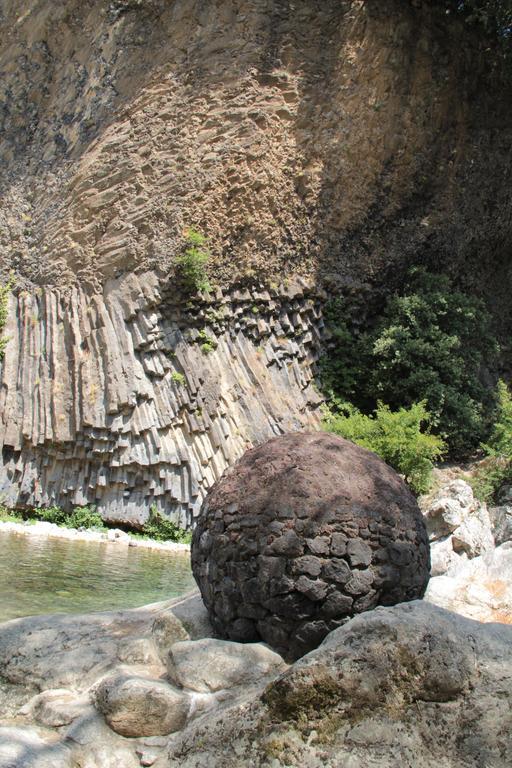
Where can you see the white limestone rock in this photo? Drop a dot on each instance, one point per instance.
(57, 707)
(480, 588)
(210, 665)
(457, 524)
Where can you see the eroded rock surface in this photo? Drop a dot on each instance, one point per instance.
(408, 685)
(138, 706)
(211, 665)
(302, 532)
(459, 526)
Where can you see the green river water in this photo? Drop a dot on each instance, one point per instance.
(40, 575)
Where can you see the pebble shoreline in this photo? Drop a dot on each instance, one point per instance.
(111, 536)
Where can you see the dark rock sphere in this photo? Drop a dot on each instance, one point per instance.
(301, 533)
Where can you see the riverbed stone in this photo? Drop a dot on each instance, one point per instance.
(211, 665)
(342, 514)
(137, 706)
(56, 707)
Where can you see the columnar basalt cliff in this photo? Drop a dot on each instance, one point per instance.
(339, 141)
(131, 398)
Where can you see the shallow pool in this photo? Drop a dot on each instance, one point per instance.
(41, 575)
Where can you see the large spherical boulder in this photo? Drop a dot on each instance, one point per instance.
(301, 533)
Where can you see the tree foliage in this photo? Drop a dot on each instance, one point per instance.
(431, 343)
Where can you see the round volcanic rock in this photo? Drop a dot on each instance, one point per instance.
(301, 533)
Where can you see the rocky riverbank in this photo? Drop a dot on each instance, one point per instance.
(113, 535)
(407, 685)
(414, 684)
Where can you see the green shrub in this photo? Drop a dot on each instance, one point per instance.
(431, 343)
(160, 528)
(496, 471)
(402, 438)
(9, 515)
(178, 378)
(192, 263)
(206, 342)
(84, 517)
(50, 515)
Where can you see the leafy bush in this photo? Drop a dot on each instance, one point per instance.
(160, 528)
(85, 517)
(9, 515)
(402, 438)
(497, 469)
(192, 263)
(430, 343)
(177, 377)
(50, 515)
(79, 517)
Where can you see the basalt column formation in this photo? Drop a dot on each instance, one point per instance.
(134, 397)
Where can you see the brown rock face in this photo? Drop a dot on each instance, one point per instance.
(301, 533)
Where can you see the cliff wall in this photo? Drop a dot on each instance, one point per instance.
(131, 398)
(335, 141)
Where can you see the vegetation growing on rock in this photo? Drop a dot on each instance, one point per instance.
(496, 471)
(4, 296)
(192, 263)
(431, 343)
(402, 438)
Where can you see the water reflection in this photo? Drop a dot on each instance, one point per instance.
(39, 575)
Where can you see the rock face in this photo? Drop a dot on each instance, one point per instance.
(459, 526)
(271, 129)
(410, 685)
(301, 533)
(113, 400)
(211, 665)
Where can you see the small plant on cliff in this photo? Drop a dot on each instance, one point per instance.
(206, 342)
(177, 377)
(402, 438)
(192, 263)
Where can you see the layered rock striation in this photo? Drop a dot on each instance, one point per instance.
(137, 397)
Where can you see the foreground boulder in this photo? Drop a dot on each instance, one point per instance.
(303, 532)
(212, 665)
(135, 706)
(409, 685)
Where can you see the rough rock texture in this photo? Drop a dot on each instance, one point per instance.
(459, 526)
(480, 588)
(501, 521)
(411, 685)
(344, 139)
(211, 665)
(302, 532)
(137, 706)
(113, 399)
(347, 134)
(74, 651)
